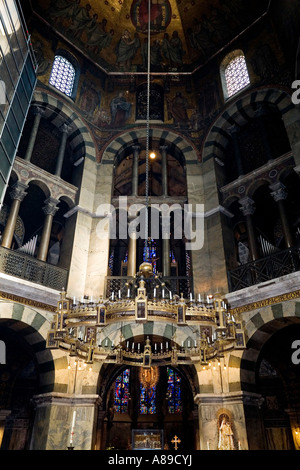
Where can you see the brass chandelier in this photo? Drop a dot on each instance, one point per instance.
(79, 327)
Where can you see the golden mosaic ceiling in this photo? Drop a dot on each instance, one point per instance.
(184, 33)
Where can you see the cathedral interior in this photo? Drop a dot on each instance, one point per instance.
(149, 301)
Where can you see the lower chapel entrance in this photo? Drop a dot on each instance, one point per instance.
(148, 409)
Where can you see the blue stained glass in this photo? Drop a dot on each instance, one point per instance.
(150, 253)
(122, 392)
(174, 392)
(125, 260)
(147, 400)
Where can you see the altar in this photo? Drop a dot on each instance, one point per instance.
(144, 439)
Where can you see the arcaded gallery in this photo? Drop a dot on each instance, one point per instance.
(150, 225)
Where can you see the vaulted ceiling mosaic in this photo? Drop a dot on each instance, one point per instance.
(184, 33)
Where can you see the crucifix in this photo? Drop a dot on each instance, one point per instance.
(175, 441)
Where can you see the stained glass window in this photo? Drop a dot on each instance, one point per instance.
(174, 392)
(62, 75)
(150, 253)
(236, 75)
(147, 400)
(122, 392)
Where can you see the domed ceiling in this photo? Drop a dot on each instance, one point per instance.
(184, 33)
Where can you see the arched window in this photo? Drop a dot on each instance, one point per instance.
(234, 73)
(122, 392)
(147, 400)
(174, 392)
(64, 74)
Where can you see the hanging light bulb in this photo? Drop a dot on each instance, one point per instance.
(152, 155)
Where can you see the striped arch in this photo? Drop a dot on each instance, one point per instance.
(32, 326)
(258, 330)
(168, 332)
(132, 137)
(239, 113)
(59, 113)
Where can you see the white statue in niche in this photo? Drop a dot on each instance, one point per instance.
(225, 433)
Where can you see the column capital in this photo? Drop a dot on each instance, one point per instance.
(164, 147)
(297, 170)
(50, 207)
(278, 192)
(38, 111)
(18, 191)
(136, 147)
(262, 110)
(66, 128)
(248, 207)
(233, 130)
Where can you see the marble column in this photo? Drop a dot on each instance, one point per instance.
(17, 194)
(65, 129)
(38, 113)
(164, 172)
(233, 131)
(54, 413)
(279, 194)
(211, 407)
(50, 210)
(248, 210)
(260, 114)
(135, 170)
(166, 258)
(166, 265)
(132, 253)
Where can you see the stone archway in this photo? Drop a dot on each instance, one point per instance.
(123, 423)
(28, 370)
(268, 377)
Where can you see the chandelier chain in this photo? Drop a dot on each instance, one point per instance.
(147, 133)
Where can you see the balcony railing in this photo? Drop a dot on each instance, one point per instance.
(30, 269)
(265, 269)
(176, 284)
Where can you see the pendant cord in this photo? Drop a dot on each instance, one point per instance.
(147, 131)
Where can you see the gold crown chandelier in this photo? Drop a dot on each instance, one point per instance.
(79, 326)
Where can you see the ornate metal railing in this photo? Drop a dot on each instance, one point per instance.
(28, 268)
(265, 269)
(176, 284)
